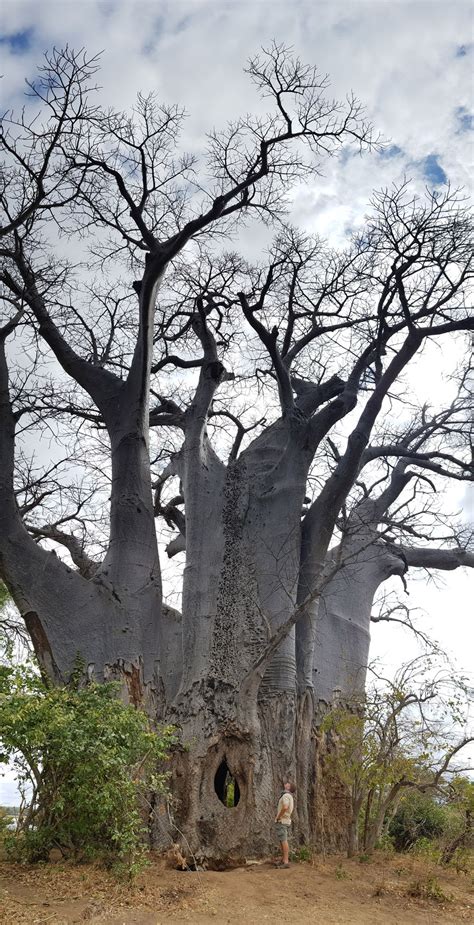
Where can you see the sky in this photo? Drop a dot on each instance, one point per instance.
(409, 61)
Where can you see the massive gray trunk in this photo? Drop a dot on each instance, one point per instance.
(242, 556)
(243, 542)
(106, 625)
(342, 620)
(114, 632)
(333, 639)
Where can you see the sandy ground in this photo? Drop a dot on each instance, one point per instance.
(334, 891)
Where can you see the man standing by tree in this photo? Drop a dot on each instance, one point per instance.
(283, 821)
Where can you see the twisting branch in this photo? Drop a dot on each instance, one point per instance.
(98, 382)
(269, 339)
(444, 559)
(37, 179)
(86, 566)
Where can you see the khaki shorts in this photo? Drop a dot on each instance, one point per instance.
(282, 831)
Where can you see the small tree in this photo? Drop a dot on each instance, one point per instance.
(84, 761)
(461, 797)
(403, 734)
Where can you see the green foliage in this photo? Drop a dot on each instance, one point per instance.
(385, 844)
(461, 860)
(230, 794)
(4, 595)
(437, 828)
(84, 762)
(303, 854)
(401, 736)
(340, 873)
(427, 850)
(419, 816)
(428, 888)
(5, 822)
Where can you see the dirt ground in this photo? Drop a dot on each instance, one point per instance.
(334, 891)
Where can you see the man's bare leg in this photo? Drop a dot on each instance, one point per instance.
(284, 862)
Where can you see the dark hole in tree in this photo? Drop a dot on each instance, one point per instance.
(226, 786)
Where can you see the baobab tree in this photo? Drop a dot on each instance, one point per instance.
(137, 329)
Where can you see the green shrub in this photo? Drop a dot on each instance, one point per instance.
(385, 844)
(5, 822)
(230, 794)
(429, 888)
(84, 762)
(426, 848)
(303, 853)
(461, 860)
(418, 816)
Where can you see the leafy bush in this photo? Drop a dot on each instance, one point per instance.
(303, 854)
(230, 794)
(419, 816)
(461, 860)
(6, 822)
(385, 844)
(429, 888)
(426, 848)
(84, 761)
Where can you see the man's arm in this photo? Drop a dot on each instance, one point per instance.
(285, 805)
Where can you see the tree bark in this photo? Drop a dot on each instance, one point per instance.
(353, 832)
(240, 584)
(333, 638)
(115, 613)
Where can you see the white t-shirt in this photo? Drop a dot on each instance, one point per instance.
(286, 803)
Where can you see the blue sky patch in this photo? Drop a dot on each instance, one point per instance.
(346, 153)
(391, 151)
(18, 42)
(432, 170)
(465, 119)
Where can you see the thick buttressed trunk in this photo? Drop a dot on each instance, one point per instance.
(342, 637)
(243, 542)
(242, 556)
(103, 624)
(104, 631)
(333, 639)
(240, 583)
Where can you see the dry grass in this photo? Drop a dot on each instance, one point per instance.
(334, 891)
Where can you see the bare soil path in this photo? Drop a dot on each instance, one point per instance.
(334, 891)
